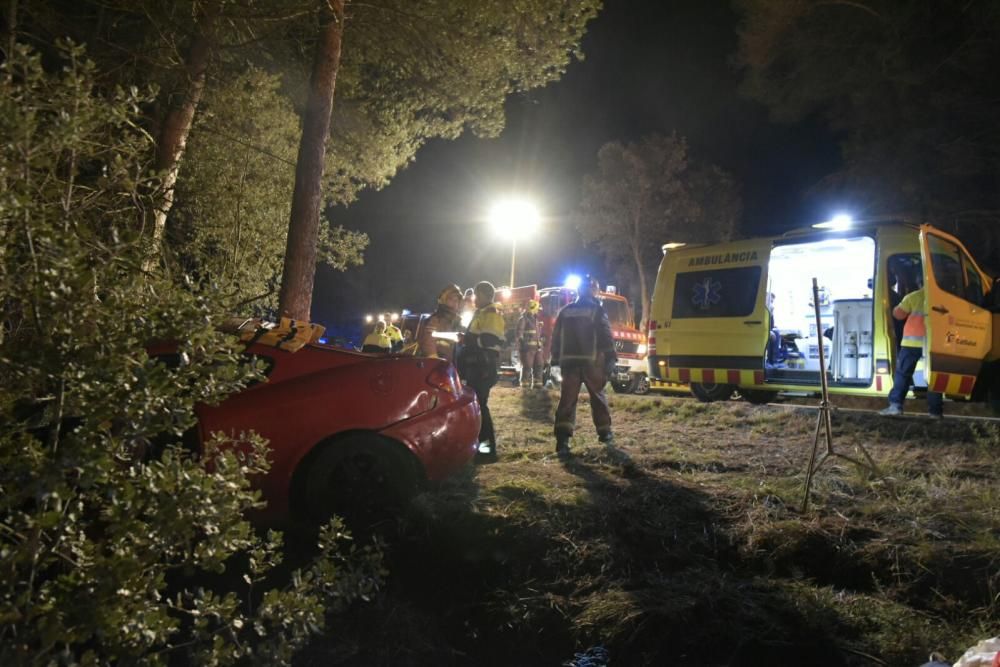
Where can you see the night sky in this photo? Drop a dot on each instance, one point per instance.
(658, 66)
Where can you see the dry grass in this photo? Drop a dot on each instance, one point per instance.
(684, 544)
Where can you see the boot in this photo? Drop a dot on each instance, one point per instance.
(562, 446)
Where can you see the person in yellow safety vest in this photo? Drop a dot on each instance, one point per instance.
(443, 320)
(913, 309)
(377, 341)
(394, 333)
(529, 346)
(478, 362)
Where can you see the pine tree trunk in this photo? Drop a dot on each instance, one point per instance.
(295, 298)
(176, 127)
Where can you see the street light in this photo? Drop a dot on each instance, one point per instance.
(513, 218)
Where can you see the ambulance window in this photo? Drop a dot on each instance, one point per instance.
(949, 273)
(718, 293)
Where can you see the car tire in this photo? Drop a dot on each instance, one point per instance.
(641, 385)
(706, 393)
(624, 387)
(366, 479)
(758, 396)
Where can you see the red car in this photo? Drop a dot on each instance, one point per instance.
(346, 427)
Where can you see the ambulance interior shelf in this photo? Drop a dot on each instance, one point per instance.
(844, 268)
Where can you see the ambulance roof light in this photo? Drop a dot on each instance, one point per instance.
(671, 246)
(611, 289)
(573, 281)
(837, 223)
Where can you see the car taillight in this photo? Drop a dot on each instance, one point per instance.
(651, 338)
(445, 378)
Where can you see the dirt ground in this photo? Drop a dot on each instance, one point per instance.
(685, 544)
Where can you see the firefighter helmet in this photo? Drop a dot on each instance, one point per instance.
(533, 306)
(448, 292)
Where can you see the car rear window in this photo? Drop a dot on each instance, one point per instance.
(716, 293)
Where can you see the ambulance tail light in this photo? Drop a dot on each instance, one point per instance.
(651, 338)
(445, 378)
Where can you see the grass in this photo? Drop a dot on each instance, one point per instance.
(684, 544)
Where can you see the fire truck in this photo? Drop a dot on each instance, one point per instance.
(513, 302)
(631, 372)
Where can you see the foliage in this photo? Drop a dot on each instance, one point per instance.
(110, 554)
(910, 85)
(230, 220)
(648, 193)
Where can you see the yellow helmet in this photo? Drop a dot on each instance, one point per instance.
(448, 292)
(533, 306)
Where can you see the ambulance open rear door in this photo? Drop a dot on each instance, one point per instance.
(959, 328)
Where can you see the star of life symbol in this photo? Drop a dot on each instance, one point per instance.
(706, 293)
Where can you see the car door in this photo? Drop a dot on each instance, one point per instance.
(959, 328)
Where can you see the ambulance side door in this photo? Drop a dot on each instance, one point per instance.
(959, 328)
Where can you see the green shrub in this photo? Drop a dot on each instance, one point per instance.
(109, 554)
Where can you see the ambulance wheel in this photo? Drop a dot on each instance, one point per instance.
(758, 396)
(641, 385)
(626, 387)
(706, 393)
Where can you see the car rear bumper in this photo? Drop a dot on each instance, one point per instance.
(443, 439)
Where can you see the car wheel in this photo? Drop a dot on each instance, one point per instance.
(758, 396)
(623, 387)
(364, 478)
(641, 385)
(706, 393)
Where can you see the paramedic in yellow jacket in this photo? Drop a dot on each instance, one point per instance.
(478, 363)
(394, 333)
(913, 309)
(377, 341)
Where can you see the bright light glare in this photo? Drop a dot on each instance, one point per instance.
(573, 281)
(640, 349)
(368, 319)
(505, 294)
(394, 317)
(514, 218)
(839, 222)
(467, 318)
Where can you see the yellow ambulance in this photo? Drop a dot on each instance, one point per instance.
(739, 316)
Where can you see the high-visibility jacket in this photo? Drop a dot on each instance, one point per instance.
(582, 332)
(487, 328)
(376, 342)
(394, 333)
(915, 329)
(528, 336)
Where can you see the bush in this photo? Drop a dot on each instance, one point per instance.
(109, 554)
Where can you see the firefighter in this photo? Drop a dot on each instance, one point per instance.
(377, 341)
(394, 333)
(528, 338)
(478, 362)
(583, 348)
(444, 319)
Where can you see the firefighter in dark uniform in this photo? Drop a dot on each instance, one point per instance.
(583, 348)
(478, 362)
(529, 346)
(443, 320)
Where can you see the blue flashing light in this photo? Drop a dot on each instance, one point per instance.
(573, 281)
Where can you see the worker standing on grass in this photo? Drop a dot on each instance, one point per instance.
(529, 345)
(912, 308)
(444, 320)
(477, 363)
(583, 348)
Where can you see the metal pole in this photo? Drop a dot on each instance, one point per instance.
(513, 254)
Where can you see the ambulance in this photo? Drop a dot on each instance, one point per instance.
(630, 343)
(739, 317)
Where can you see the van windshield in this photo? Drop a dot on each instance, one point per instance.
(617, 312)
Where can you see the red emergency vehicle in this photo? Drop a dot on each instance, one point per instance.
(630, 343)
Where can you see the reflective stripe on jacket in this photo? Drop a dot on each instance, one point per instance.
(527, 332)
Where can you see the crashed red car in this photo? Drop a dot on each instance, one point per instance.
(344, 426)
